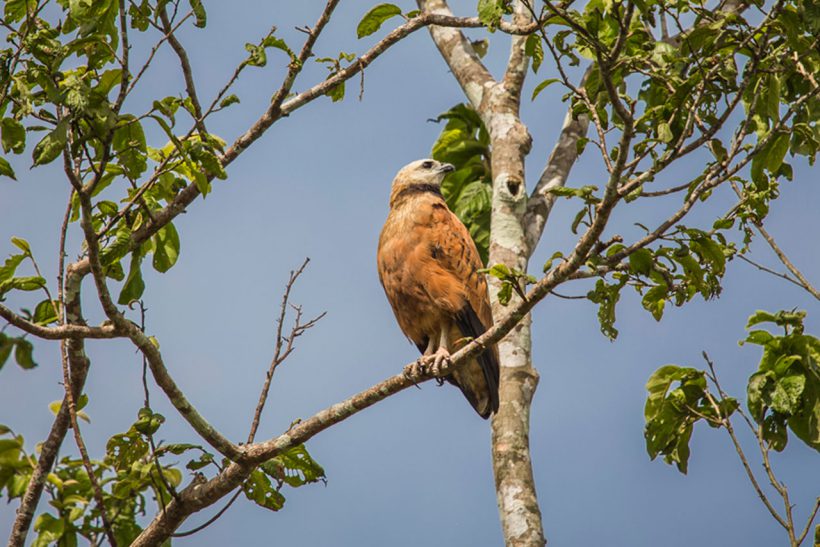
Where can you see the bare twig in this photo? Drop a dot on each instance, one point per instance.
(284, 345)
(210, 521)
(803, 282)
(727, 424)
(810, 521)
(769, 271)
(187, 72)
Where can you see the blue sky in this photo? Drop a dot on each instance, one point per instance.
(415, 469)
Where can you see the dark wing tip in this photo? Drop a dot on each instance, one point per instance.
(470, 325)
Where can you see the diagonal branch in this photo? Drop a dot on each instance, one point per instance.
(518, 62)
(555, 174)
(187, 72)
(803, 282)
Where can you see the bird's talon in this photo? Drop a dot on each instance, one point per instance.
(414, 371)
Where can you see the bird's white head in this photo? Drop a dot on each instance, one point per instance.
(426, 171)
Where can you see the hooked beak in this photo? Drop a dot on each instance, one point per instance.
(446, 168)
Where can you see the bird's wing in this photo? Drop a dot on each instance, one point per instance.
(455, 252)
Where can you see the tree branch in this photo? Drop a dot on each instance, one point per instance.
(187, 72)
(58, 333)
(48, 453)
(803, 282)
(284, 345)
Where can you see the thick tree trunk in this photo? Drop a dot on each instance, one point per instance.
(497, 102)
(515, 488)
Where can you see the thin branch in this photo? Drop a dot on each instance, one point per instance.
(125, 75)
(284, 345)
(786, 262)
(154, 50)
(770, 271)
(781, 488)
(210, 521)
(812, 516)
(188, 194)
(518, 62)
(666, 192)
(727, 424)
(187, 72)
(144, 343)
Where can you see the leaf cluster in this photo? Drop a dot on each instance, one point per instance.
(465, 143)
(782, 394)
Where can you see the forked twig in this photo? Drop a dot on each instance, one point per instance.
(284, 344)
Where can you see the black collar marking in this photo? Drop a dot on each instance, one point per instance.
(419, 189)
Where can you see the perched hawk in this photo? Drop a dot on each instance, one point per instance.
(429, 268)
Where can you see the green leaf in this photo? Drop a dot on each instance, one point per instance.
(257, 56)
(337, 92)
(166, 248)
(664, 132)
(654, 301)
(295, 467)
(23, 354)
(46, 312)
(13, 136)
(259, 490)
(773, 97)
(787, 392)
(640, 262)
(718, 150)
(777, 152)
(129, 143)
(134, 285)
(6, 169)
(534, 50)
(668, 412)
(781, 318)
(505, 294)
(228, 101)
(148, 422)
(6, 345)
(15, 10)
(278, 43)
(49, 529)
(27, 283)
(542, 86)
(9, 267)
(22, 244)
(51, 146)
(491, 11)
(759, 337)
(200, 17)
(606, 296)
(500, 271)
(373, 19)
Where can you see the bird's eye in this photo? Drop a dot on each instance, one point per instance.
(427, 164)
